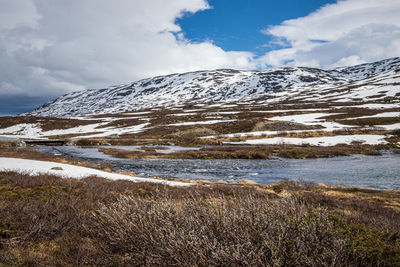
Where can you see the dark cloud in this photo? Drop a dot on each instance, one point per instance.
(17, 104)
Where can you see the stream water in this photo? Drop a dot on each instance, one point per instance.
(378, 172)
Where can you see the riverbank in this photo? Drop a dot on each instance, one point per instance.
(372, 171)
(37, 167)
(225, 151)
(48, 220)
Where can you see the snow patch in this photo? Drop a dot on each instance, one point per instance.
(35, 167)
(318, 141)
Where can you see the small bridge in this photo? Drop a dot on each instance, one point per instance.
(47, 142)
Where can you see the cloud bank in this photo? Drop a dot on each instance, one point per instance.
(48, 48)
(345, 33)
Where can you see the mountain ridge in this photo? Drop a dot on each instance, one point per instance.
(227, 85)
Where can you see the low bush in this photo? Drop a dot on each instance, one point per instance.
(50, 221)
(283, 126)
(219, 232)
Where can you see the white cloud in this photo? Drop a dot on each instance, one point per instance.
(345, 33)
(53, 47)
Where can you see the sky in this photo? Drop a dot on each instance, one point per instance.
(52, 47)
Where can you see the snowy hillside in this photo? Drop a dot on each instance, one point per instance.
(379, 81)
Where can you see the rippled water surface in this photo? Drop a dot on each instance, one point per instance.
(380, 172)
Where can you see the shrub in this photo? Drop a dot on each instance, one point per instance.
(218, 231)
(50, 221)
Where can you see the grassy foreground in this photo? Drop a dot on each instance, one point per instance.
(46, 220)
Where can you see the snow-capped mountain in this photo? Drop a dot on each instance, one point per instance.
(377, 81)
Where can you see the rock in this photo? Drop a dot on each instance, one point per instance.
(21, 144)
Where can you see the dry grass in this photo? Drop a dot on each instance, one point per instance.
(120, 123)
(371, 121)
(46, 220)
(204, 153)
(252, 152)
(283, 126)
(194, 132)
(9, 144)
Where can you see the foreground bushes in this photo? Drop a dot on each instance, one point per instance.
(219, 232)
(50, 221)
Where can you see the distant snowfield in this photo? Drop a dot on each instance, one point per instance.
(382, 115)
(312, 119)
(34, 167)
(389, 127)
(34, 131)
(376, 106)
(317, 141)
(23, 130)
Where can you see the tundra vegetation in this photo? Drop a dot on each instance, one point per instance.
(211, 125)
(249, 152)
(50, 221)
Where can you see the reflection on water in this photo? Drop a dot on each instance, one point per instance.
(380, 172)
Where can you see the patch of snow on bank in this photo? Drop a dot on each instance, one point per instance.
(35, 167)
(256, 133)
(23, 130)
(377, 106)
(34, 131)
(312, 119)
(119, 131)
(390, 127)
(382, 115)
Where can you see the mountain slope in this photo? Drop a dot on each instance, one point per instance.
(379, 81)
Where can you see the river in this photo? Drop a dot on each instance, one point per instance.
(376, 172)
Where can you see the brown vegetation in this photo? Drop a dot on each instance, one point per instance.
(371, 121)
(193, 132)
(283, 126)
(223, 152)
(10, 143)
(252, 152)
(122, 123)
(246, 118)
(46, 220)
